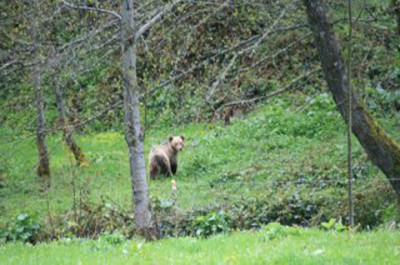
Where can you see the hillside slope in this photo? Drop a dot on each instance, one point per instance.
(286, 159)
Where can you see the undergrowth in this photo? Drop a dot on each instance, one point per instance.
(286, 162)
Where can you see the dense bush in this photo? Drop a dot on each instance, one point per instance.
(24, 228)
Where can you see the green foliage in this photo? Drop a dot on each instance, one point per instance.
(333, 224)
(383, 100)
(276, 165)
(25, 227)
(276, 231)
(104, 220)
(306, 246)
(161, 205)
(211, 224)
(112, 238)
(284, 162)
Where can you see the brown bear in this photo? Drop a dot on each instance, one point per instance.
(163, 159)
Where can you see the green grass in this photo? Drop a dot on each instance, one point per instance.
(275, 143)
(304, 247)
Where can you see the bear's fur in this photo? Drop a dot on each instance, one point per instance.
(163, 159)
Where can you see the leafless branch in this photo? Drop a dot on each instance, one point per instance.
(272, 94)
(101, 10)
(221, 77)
(98, 115)
(4, 66)
(285, 49)
(266, 33)
(155, 19)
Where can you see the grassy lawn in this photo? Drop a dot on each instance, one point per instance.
(305, 246)
(262, 155)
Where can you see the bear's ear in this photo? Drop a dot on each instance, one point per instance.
(183, 138)
(171, 138)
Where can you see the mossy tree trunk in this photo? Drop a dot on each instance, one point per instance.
(144, 219)
(381, 149)
(67, 130)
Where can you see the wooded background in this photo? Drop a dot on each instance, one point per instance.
(144, 69)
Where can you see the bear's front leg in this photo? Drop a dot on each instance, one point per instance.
(174, 168)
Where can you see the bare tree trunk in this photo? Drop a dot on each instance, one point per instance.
(133, 136)
(67, 130)
(43, 170)
(350, 121)
(381, 149)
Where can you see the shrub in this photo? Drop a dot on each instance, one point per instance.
(24, 228)
(211, 224)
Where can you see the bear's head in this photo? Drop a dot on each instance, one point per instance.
(177, 142)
